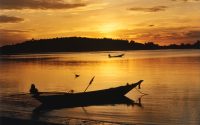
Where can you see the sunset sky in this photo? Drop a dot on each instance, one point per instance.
(159, 21)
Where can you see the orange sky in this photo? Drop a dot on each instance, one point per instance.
(160, 21)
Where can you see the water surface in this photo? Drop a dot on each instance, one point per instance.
(171, 79)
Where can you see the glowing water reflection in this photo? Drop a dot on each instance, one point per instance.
(171, 78)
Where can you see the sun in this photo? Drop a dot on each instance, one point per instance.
(109, 27)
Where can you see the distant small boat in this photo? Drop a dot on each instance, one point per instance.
(54, 98)
(114, 56)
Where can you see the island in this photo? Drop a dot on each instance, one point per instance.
(82, 44)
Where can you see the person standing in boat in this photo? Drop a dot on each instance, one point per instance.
(33, 90)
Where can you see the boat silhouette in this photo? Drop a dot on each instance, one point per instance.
(115, 56)
(82, 98)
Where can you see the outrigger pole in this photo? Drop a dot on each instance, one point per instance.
(90, 83)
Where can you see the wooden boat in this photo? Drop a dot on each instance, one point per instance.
(114, 56)
(53, 98)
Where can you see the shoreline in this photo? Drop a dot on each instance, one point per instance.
(103, 51)
(69, 121)
(17, 121)
(92, 51)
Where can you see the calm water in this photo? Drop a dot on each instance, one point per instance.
(171, 79)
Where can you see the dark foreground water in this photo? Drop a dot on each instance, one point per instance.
(171, 79)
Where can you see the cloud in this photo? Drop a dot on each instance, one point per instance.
(163, 35)
(10, 19)
(193, 34)
(38, 4)
(150, 9)
(172, 37)
(13, 31)
(12, 36)
(151, 25)
(185, 0)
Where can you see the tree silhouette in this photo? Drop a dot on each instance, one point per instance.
(79, 44)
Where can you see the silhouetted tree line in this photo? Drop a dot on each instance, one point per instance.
(151, 46)
(74, 44)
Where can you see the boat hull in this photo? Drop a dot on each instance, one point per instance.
(94, 96)
(115, 56)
